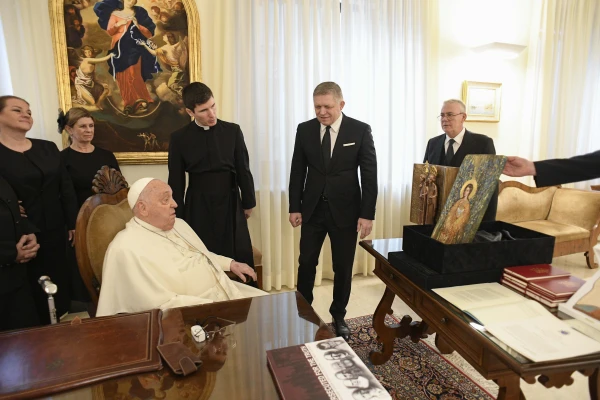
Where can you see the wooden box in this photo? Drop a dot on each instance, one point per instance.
(444, 181)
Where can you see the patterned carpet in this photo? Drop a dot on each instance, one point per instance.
(415, 371)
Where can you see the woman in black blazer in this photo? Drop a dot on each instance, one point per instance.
(34, 169)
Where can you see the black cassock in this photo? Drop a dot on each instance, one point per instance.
(218, 166)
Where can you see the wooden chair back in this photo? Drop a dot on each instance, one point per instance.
(100, 218)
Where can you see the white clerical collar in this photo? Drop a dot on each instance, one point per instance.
(335, 127)
(146, 225)
(458, 138)
(202, 126)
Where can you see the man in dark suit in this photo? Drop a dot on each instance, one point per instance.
(556, 171)
(17, 246)
(326, 197)
(451, 148)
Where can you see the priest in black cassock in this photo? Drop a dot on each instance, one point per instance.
(220, 193)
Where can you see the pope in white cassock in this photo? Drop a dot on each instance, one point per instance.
(158, 261)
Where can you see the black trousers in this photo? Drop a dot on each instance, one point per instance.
(17, 308)
(343, 247)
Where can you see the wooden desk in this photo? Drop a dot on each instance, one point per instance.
(241, 372)
(493, 359)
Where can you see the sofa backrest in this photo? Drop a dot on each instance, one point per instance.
(520, 203)
(575, 207)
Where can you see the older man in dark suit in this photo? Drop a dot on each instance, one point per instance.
(451, 148)
(326, 197)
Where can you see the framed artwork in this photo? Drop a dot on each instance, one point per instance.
(127, 62)
(471, 192)
(482, 100)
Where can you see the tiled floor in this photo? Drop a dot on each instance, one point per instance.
(367, 291)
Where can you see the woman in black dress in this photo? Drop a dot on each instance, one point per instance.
(34, 169)
(82, 160)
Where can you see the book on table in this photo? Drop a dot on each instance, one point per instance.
(523, 324)
(327, 369)
(584, 305)
(528, 273)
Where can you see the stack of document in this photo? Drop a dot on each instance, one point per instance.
(522, 324)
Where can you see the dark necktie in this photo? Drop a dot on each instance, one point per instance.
(450, 151)
(326, 147)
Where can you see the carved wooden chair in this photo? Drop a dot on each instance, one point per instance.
(100, 218)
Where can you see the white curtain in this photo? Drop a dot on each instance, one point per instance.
(563, 93)
(28, 69)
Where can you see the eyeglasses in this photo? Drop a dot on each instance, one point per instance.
(447, 115)
(212, 327)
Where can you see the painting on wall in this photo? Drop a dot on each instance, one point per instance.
(471, 193)
(127, 62)
(482, 100)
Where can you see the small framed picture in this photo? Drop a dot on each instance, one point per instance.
(482, 100)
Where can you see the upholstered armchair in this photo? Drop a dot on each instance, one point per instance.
(100, 218)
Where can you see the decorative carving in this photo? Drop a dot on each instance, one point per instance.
(386, 334)
(557, 380)
(109, 181)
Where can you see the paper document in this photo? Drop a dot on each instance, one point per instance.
(543, 338)
(479, 295)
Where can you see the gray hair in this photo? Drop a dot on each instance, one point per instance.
(463, 108)
(332, 88)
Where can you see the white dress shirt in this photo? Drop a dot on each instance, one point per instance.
(457, 141)
(333, 131)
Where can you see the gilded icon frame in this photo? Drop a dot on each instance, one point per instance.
(59, 42)
(483, 100)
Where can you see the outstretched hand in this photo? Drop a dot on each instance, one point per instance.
(517, 166)
(241, 270)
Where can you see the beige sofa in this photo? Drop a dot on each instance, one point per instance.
(572, 216)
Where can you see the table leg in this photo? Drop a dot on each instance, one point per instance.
(509, 388)
(386, 335)
(442, 345)
(594, 385)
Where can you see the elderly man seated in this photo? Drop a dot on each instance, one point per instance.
(158, 261)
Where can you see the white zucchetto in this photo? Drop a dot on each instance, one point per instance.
(136, 189)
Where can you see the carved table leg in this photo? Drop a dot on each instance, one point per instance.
(442, 345)
(509, 388)
(386, 335)
(594, 386)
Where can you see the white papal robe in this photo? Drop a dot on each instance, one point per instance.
(147, 268)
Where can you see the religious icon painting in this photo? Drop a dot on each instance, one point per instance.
(127, 61)
(471, 193)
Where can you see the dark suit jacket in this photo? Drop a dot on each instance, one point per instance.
(473, 143)
(348, 200)
(12, 227)
(567, 170)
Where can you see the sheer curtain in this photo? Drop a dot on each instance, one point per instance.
(563, 92)
(28, 69)
(264, 66)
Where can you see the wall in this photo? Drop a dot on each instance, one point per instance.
(468, 23)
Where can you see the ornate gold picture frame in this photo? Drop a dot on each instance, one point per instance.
(127, 61)
(483, 101)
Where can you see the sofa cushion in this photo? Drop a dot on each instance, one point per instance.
(575, 207)
(105, 222)
(561, 232)
(516, 205)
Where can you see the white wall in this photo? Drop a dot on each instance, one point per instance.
(468, 23)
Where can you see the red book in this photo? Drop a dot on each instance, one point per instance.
(515, 281)
(327, 370)
(548, 296)
(542, 300)
(560, 287)
(535, 272)
(513, 286)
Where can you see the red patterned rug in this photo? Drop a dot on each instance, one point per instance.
(415, 371)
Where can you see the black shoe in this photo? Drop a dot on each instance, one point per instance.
(341, 328)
